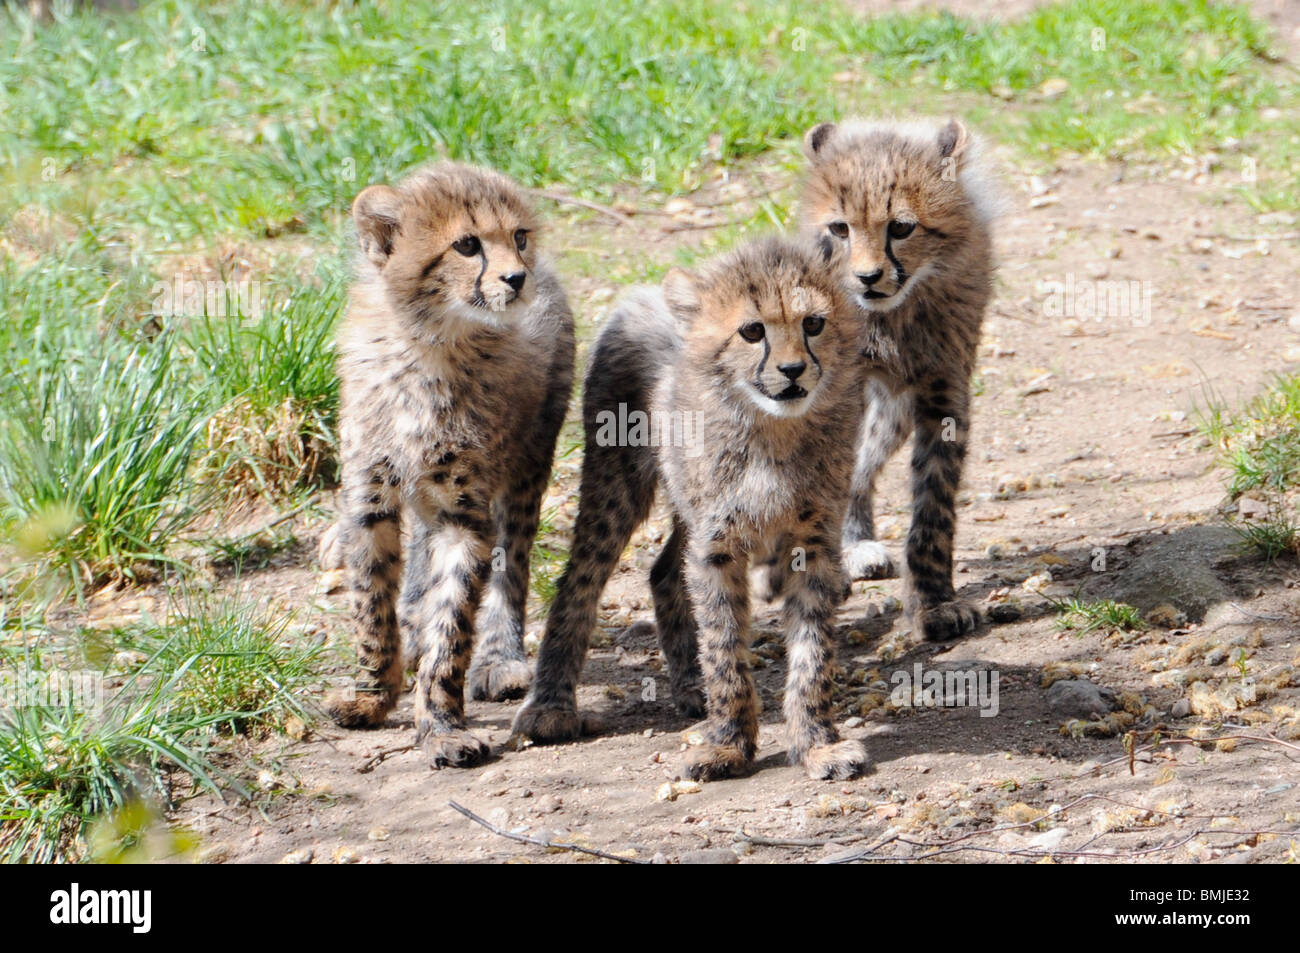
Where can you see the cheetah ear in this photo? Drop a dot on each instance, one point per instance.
(815, 139)
(953, 140)
(376, 212)
(682, 293)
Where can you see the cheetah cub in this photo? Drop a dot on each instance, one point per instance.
(746, 382)
(456, 363)
(912, 207)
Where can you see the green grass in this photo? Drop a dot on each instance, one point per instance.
(244, 664)
(63, 765)
(1258, 448)
(265, 122)
(273, 375)
(117, 743)
(94, 454)
(1102, 615)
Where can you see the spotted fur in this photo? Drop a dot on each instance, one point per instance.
(456, 364)
(762, 345)
(911, 206)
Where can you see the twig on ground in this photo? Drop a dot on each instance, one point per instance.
(539, 842)
(758, 840)
(562, 199)
(282, 518)
(378, 759)
(1125, 758)
(1277, 236)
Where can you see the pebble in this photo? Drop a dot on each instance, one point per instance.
(712, 855)
(547, 804)
(1181, 709)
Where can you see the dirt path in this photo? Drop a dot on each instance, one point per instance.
(1083, 445)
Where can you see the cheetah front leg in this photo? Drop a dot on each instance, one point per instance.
(675, 622)
(500, 669)
(460, 544)
(720, 594)
(370, 543)
(885, 428)
(813, 596)
(942, 410)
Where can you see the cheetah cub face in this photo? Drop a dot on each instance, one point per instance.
(767, 330)
(893, 196)
(451, 241)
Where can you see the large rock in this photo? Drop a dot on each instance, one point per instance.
(1178, 570)
(1079, 698)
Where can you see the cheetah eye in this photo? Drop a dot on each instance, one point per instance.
(521, 238)
(753, 331)
(813, 324)
(838, 229)
(468, 246)
(900, 229)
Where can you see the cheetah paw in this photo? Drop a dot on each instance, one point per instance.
(867, 559)
(499, 679)
(458, 749)
(710, 762)
(544, 724)
(358, 709)
(840, 761)
(947, 620)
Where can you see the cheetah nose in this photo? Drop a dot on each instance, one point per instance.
(514, 279)
(871, 278)
(792, 371)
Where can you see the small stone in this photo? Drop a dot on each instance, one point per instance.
(547, 804)
(1049, 840)
(854, 722)
(1037, 582)
(377, 833)
(1181, 709)
(302, 855)
(712, 855)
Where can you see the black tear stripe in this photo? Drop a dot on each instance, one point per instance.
(898, 265)
(478, 281)
(807, 346)
(758, 374)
